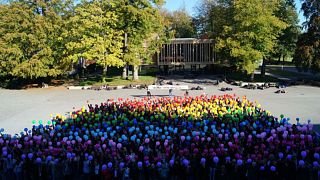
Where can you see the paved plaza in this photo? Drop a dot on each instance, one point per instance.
(19, 107)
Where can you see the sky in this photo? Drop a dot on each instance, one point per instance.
(173, 5)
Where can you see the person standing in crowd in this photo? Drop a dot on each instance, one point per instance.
(170, 92)
(86, 168)
(187, 93)
(18, 170)
(148, 93)
(126, 175)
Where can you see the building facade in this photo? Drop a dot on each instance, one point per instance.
(186, 53)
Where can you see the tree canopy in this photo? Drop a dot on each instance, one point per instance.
(253, 34)
(286, 42)
(44, 38)
(28, 35)
(212, 16)
(182, 24)
(91, 33)
(145, 27)
(307, 54)
(223, 20)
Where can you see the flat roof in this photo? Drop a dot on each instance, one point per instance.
(190, 40)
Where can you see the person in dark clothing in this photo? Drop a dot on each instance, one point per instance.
(170, 92)
(148, 93)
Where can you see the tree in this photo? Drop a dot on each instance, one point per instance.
(182, 24)
(28, 36)
(307, 54)
(142, 21)
(92, 34)
(288, 39)
(253, 34)
(211, 18)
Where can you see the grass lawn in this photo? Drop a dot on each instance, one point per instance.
(238, 76)
(284, 73)
(118, 81)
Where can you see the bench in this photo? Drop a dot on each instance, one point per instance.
(78, 87)
(176, 87)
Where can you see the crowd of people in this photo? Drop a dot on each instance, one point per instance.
(217, 137)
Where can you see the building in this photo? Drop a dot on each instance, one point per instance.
(186, 53)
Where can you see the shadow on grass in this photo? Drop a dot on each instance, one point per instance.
(238, 76)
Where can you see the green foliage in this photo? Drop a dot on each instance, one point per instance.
(286, 74)
(238, 76)
(118, 81)
(142, 21)
(288, 39)
(91, 34)
(182, 24)
(46, 38)
(253, 34)
(28, 41)
(212, 16)
(307, 54)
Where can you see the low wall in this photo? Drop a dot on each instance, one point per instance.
(176, 87)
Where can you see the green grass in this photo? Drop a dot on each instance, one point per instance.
(149, 71)
(284, 73)
(259, 78)
(118, 81)
(238, 76)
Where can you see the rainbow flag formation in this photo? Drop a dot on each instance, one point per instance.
(180, 134)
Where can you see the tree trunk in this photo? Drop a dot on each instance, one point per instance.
(279, 59)
(104, 74)
(83, 72)
(124, 72)
(135, 72)
(252, 76)
(283, 59)
(263, 68)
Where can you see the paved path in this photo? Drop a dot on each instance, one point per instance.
(19, 107)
